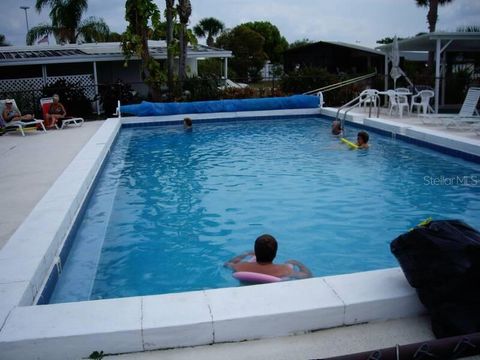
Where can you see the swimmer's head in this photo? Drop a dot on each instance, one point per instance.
(265, 248)
(336, 127)
(362, 138)
(187, 122)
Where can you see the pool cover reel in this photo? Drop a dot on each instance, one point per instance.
(441, 260)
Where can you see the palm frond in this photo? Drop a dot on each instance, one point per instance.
(198, 30)
(93, 29)
(39, 31)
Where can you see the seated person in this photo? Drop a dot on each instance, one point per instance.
(56, 112)
(362, 140)
(10, 114)
(337, 128)
(265, 251)
(187, 123)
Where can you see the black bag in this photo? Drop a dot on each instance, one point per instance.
(441, 260)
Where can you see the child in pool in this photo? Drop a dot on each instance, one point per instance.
(362, 140)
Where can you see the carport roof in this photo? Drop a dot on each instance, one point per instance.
(461, 41)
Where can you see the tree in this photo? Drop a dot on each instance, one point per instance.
(66, 23)
(114, 37)
(469, 28)
(169, 14)
(209, 28)
(247, 49)
(432, 15)
(298, 43)
(184, 9)
(3, 41)
(139, 13)
(275, 44)
(388, 40)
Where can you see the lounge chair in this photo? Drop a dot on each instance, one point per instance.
(19, 125)
(45, 103)
(468, 113)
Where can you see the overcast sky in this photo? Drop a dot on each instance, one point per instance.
(353, 21)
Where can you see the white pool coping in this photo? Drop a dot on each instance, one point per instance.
(74, 330)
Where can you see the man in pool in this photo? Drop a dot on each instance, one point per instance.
(336, 128)
(265, 251)
(362, 140)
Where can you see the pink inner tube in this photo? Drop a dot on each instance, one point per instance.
(256, 278)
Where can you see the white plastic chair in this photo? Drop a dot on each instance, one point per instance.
(369, 97)
(22, 124)
(422, 101)
(397, 101)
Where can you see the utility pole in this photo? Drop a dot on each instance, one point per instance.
(25, 8)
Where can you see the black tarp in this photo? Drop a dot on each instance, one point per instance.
(441, 260)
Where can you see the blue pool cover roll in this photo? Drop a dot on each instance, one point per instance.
(196, 107)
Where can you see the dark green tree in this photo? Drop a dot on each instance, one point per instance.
(298, 43)
(209, 28)
(184, 10)
(247, 49)
(3, 41)
(275, 44)
(66, 23)
(432, 15)
(388, 40)
(469, 28)
(139, 14)
(170, 15)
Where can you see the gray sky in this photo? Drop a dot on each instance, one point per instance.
(354, 21)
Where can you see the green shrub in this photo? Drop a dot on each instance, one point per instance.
(111, 93)
(72, 96)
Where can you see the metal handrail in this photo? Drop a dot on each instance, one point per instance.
(352, 104)
(340, 84)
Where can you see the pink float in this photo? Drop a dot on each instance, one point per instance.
(255, 278)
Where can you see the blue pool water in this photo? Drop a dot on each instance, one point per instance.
(170, 207)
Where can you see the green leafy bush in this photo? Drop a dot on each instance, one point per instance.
(72, 96)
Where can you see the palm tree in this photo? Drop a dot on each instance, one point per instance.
(67, 25)
(209, 28)
(184, 9)
(169, 13)
(432, 15)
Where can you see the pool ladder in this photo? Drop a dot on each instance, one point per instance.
(368, 96)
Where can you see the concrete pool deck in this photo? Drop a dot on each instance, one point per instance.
(37, 331)
(30, 165)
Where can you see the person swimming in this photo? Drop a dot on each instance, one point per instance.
(187, 123)
(362, 140)
(337, 128)
(265, 251)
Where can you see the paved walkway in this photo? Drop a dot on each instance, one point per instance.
(30, 165)
(321, 344)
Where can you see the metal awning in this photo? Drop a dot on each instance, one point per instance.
(438, 42)
(460, 41)
(97, 52)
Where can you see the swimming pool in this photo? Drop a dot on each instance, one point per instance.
(171, 207)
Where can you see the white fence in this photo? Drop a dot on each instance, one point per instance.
(36, 84)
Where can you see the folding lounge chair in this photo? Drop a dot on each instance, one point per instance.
(468, 113)
(45, 103)
(22, 124)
